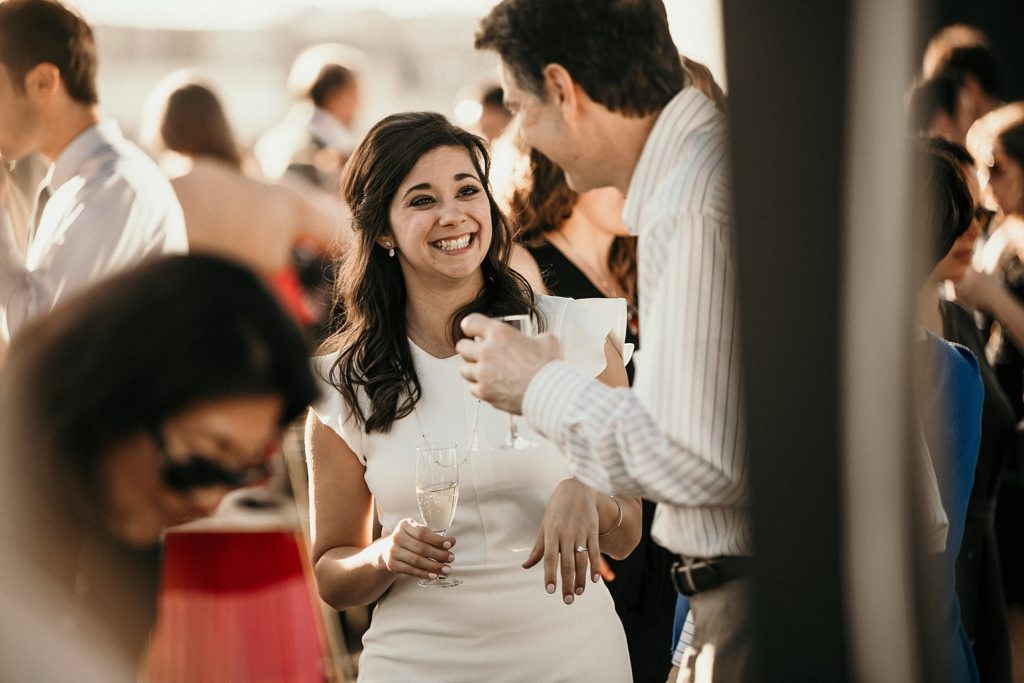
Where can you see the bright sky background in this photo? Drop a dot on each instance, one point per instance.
(696, 24)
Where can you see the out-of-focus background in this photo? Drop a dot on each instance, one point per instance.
(419, 55)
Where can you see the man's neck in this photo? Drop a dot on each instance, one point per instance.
(67, 125)
(625, 137)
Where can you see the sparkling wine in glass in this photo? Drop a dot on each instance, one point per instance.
(524, 323)
(437, 492)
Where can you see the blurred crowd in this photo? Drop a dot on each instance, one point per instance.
(180, 316)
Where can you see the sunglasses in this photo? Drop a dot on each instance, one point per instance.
(984, 217)
(198, 471)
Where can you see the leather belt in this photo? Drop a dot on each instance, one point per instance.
(696, 575)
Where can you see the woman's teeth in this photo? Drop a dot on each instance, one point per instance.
(452, 245)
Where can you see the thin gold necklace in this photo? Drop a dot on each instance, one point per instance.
(588, 271)
(474, 435)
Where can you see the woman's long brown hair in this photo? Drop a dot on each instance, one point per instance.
(372, 343)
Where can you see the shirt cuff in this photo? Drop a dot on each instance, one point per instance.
(550, 396)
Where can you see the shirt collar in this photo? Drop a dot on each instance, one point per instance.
(667, 128)
(81, 149)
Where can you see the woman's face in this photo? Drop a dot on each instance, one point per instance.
(1006, 180)
(143, 496)
(440, 219)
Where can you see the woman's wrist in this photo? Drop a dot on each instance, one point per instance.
(618, 521)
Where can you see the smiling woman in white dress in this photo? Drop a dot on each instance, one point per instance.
(430, 247)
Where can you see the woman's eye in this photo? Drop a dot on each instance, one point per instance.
(422, 200)
(469, 190)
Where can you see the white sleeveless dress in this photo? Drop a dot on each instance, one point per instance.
(500, 624)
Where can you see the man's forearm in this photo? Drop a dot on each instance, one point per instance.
(613, 443)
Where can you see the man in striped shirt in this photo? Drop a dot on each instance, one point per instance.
(598, 87)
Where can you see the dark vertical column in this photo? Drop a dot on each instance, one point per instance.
(787, 105)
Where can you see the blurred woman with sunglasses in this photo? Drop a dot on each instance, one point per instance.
(133, 407)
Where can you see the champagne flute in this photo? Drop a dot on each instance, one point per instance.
(437, 492)
(524, 323)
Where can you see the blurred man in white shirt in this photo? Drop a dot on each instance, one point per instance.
(104, 205)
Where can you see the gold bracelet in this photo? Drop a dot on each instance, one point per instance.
(618, 522)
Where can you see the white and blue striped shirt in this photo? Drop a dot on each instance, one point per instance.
(678, 436)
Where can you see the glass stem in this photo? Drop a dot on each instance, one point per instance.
(513, 434)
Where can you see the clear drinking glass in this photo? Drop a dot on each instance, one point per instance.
(437, 492)
(524, 323)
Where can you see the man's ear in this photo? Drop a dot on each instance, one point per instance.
(42, 80)
(561, 89)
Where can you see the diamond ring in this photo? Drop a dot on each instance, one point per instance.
(581, 548)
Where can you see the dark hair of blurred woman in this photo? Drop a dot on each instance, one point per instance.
(193, 123)
(545, 203)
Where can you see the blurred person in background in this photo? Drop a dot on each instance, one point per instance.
(494, 117)
(135, 405)
(950, 399)
(480, 108)
(979, 581)
(965, 53)
(228, 213)
(104, 205)
(937, 107)
(318, 133)
(18, 182)
(997, 143)
(309, 149)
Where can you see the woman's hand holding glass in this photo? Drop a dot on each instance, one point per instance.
(415, 550)
(567, 540)
(437, 493)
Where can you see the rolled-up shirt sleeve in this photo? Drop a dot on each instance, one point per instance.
(613, 444)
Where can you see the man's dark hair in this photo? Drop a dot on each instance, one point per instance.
(332, 77)
(937, 94)
(965, 49)
(34, 32)
(619, 51)
(493, 96)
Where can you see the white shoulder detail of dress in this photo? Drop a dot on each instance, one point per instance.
(583, 325)
(331, 408)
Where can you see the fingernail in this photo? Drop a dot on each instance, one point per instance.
(446, 545)
(567, 599)
(451, 558)
(596, 577)
(446, 570)
(579, 590)
(431, 575)
(551, 588)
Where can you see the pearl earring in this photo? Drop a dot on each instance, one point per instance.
(391, 249)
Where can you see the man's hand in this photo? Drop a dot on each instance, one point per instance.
(499, 362)
(979, 290)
